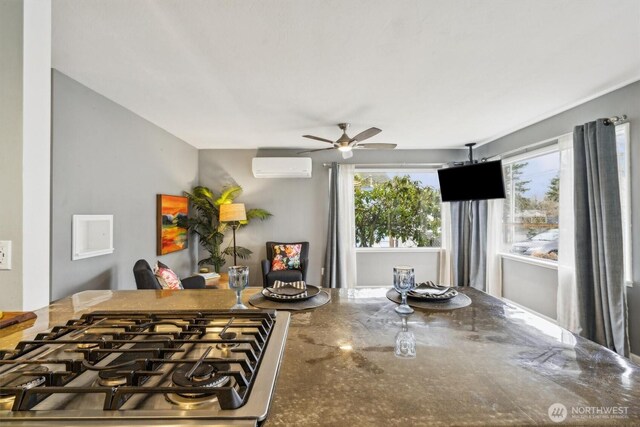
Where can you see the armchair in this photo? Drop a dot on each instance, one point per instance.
(269, 276)
(145, 279)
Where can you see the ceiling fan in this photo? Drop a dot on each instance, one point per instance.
(345, 144)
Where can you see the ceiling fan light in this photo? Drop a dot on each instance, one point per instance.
(344, 148)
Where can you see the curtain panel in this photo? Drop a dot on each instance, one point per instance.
(600, 288)
(340, 255)
(469, 247)
(446, 267)
(494, 245)
(567, 300)
(332, 272)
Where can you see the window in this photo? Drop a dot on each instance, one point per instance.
(623, 147)
(530, 218)
(530, 215)
(397, 209)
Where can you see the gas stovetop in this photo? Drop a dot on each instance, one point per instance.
(215, 367)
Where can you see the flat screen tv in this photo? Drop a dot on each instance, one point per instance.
(478, 181)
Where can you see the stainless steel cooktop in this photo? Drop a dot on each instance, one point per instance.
(155, 368)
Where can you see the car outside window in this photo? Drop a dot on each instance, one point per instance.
(530, 214)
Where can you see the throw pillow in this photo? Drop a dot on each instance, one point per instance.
(167, 278)
(286, 257)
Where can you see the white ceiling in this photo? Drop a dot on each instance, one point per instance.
(431, 74)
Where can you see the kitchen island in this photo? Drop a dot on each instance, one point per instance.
(486, 364)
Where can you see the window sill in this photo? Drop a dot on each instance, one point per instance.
(530, 260)
(395, 250)
(543, 263)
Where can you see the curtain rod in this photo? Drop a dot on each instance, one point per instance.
(389, 165)
(615, 120)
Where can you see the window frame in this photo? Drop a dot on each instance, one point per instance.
(552, 147)
(387, 169)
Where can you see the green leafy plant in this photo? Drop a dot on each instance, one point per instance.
(398, 209)
(204, 223)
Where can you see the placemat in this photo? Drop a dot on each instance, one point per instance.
(260, 301)
(459, 301)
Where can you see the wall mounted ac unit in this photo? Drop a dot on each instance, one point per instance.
(281, 167)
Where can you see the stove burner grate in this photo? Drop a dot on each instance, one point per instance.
(206, 375)
(228, 336)
(144, 346)
(112, 378)
(189, 402)
(24, 378)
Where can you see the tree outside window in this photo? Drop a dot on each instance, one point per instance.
(397, 209)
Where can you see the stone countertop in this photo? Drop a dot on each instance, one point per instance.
(486, 364)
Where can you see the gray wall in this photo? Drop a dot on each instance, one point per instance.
(299, 206)
(622, 101)
(532, 286)
(11, 23)
(107, 160)
(375, 268)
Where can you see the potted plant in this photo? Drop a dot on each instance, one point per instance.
(204, 223)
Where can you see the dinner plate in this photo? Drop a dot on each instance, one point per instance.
(312, 291)
(425, 295)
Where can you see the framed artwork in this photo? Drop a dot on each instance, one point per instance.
(173, 212)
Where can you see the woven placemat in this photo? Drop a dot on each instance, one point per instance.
(459, 301)
(260, 301)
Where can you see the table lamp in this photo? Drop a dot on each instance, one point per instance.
(233, 213)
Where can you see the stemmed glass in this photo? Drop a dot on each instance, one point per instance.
(405, 341)
(403, 281)
(238, 280)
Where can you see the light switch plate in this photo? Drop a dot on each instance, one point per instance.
(5, 254)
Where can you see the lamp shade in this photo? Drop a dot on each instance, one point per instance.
(233, 212)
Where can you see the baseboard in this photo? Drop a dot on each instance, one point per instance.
(634, 358)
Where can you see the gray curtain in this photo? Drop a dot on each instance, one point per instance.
(469, 249)
(460, 231)
(598, 237)
(331, 261)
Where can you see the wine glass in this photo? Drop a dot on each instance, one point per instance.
(403, 281)
(405, 341)
(238, 280)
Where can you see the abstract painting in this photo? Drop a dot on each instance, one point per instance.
(173, 212)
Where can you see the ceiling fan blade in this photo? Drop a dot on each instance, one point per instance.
(377, 146)
(317, 138)
(366, 134)
(313, 151)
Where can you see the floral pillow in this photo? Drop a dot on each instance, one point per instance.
(286, 257)
(166, 277)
